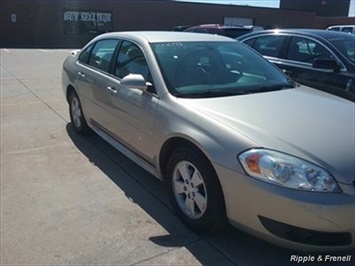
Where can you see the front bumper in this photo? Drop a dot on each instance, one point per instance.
(297, 219)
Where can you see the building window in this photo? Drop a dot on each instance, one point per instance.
(86, 22)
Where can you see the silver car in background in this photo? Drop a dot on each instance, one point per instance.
(233, 137)
(343, 28)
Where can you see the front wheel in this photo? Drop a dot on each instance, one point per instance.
(195, 190)
(76, 114)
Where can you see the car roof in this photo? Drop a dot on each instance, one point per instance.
(326, 34)
(219, 26)
(336, 26)
(164, 36)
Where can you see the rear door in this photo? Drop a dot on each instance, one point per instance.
(94, 79)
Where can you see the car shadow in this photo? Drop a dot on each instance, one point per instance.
(230, 246)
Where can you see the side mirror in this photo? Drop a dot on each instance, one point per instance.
(134, 81)
(330, 64)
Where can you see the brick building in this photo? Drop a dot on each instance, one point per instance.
(71, 23)
(322, 8)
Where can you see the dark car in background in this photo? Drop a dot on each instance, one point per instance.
(180, 27)
(229, 31)
(317, 58)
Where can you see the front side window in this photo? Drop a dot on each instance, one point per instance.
(306, 50)
(215, 69)
(345, 45)
(102, 54)
(131, 60)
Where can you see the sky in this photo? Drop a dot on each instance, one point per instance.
(263, 3)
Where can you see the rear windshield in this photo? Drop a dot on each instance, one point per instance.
(234, 33)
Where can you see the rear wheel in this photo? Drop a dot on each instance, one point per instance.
(195, 190)
(76, 114)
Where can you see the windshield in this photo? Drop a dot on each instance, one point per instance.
(214, 69)
(345, 45)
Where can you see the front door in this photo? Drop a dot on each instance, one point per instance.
(300, 55)
(134, 109)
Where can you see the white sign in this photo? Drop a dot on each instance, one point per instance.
(87, 16)
(235, 21)
(103, 17)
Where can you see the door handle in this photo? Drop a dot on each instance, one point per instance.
(112, 90)
(81, 74)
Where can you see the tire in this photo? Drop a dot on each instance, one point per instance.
(76, 114)
(195, 191)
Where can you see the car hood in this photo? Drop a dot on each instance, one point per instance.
(303, 122)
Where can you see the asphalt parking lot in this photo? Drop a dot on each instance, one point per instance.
(67, 199)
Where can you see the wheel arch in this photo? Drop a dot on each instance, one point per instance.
(69, 90)
(170, 146)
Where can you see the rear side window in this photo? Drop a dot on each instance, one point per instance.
(348, 29)
(268, 45)
(306, 50)
(102, 54)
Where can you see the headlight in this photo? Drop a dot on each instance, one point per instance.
(288, 171)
